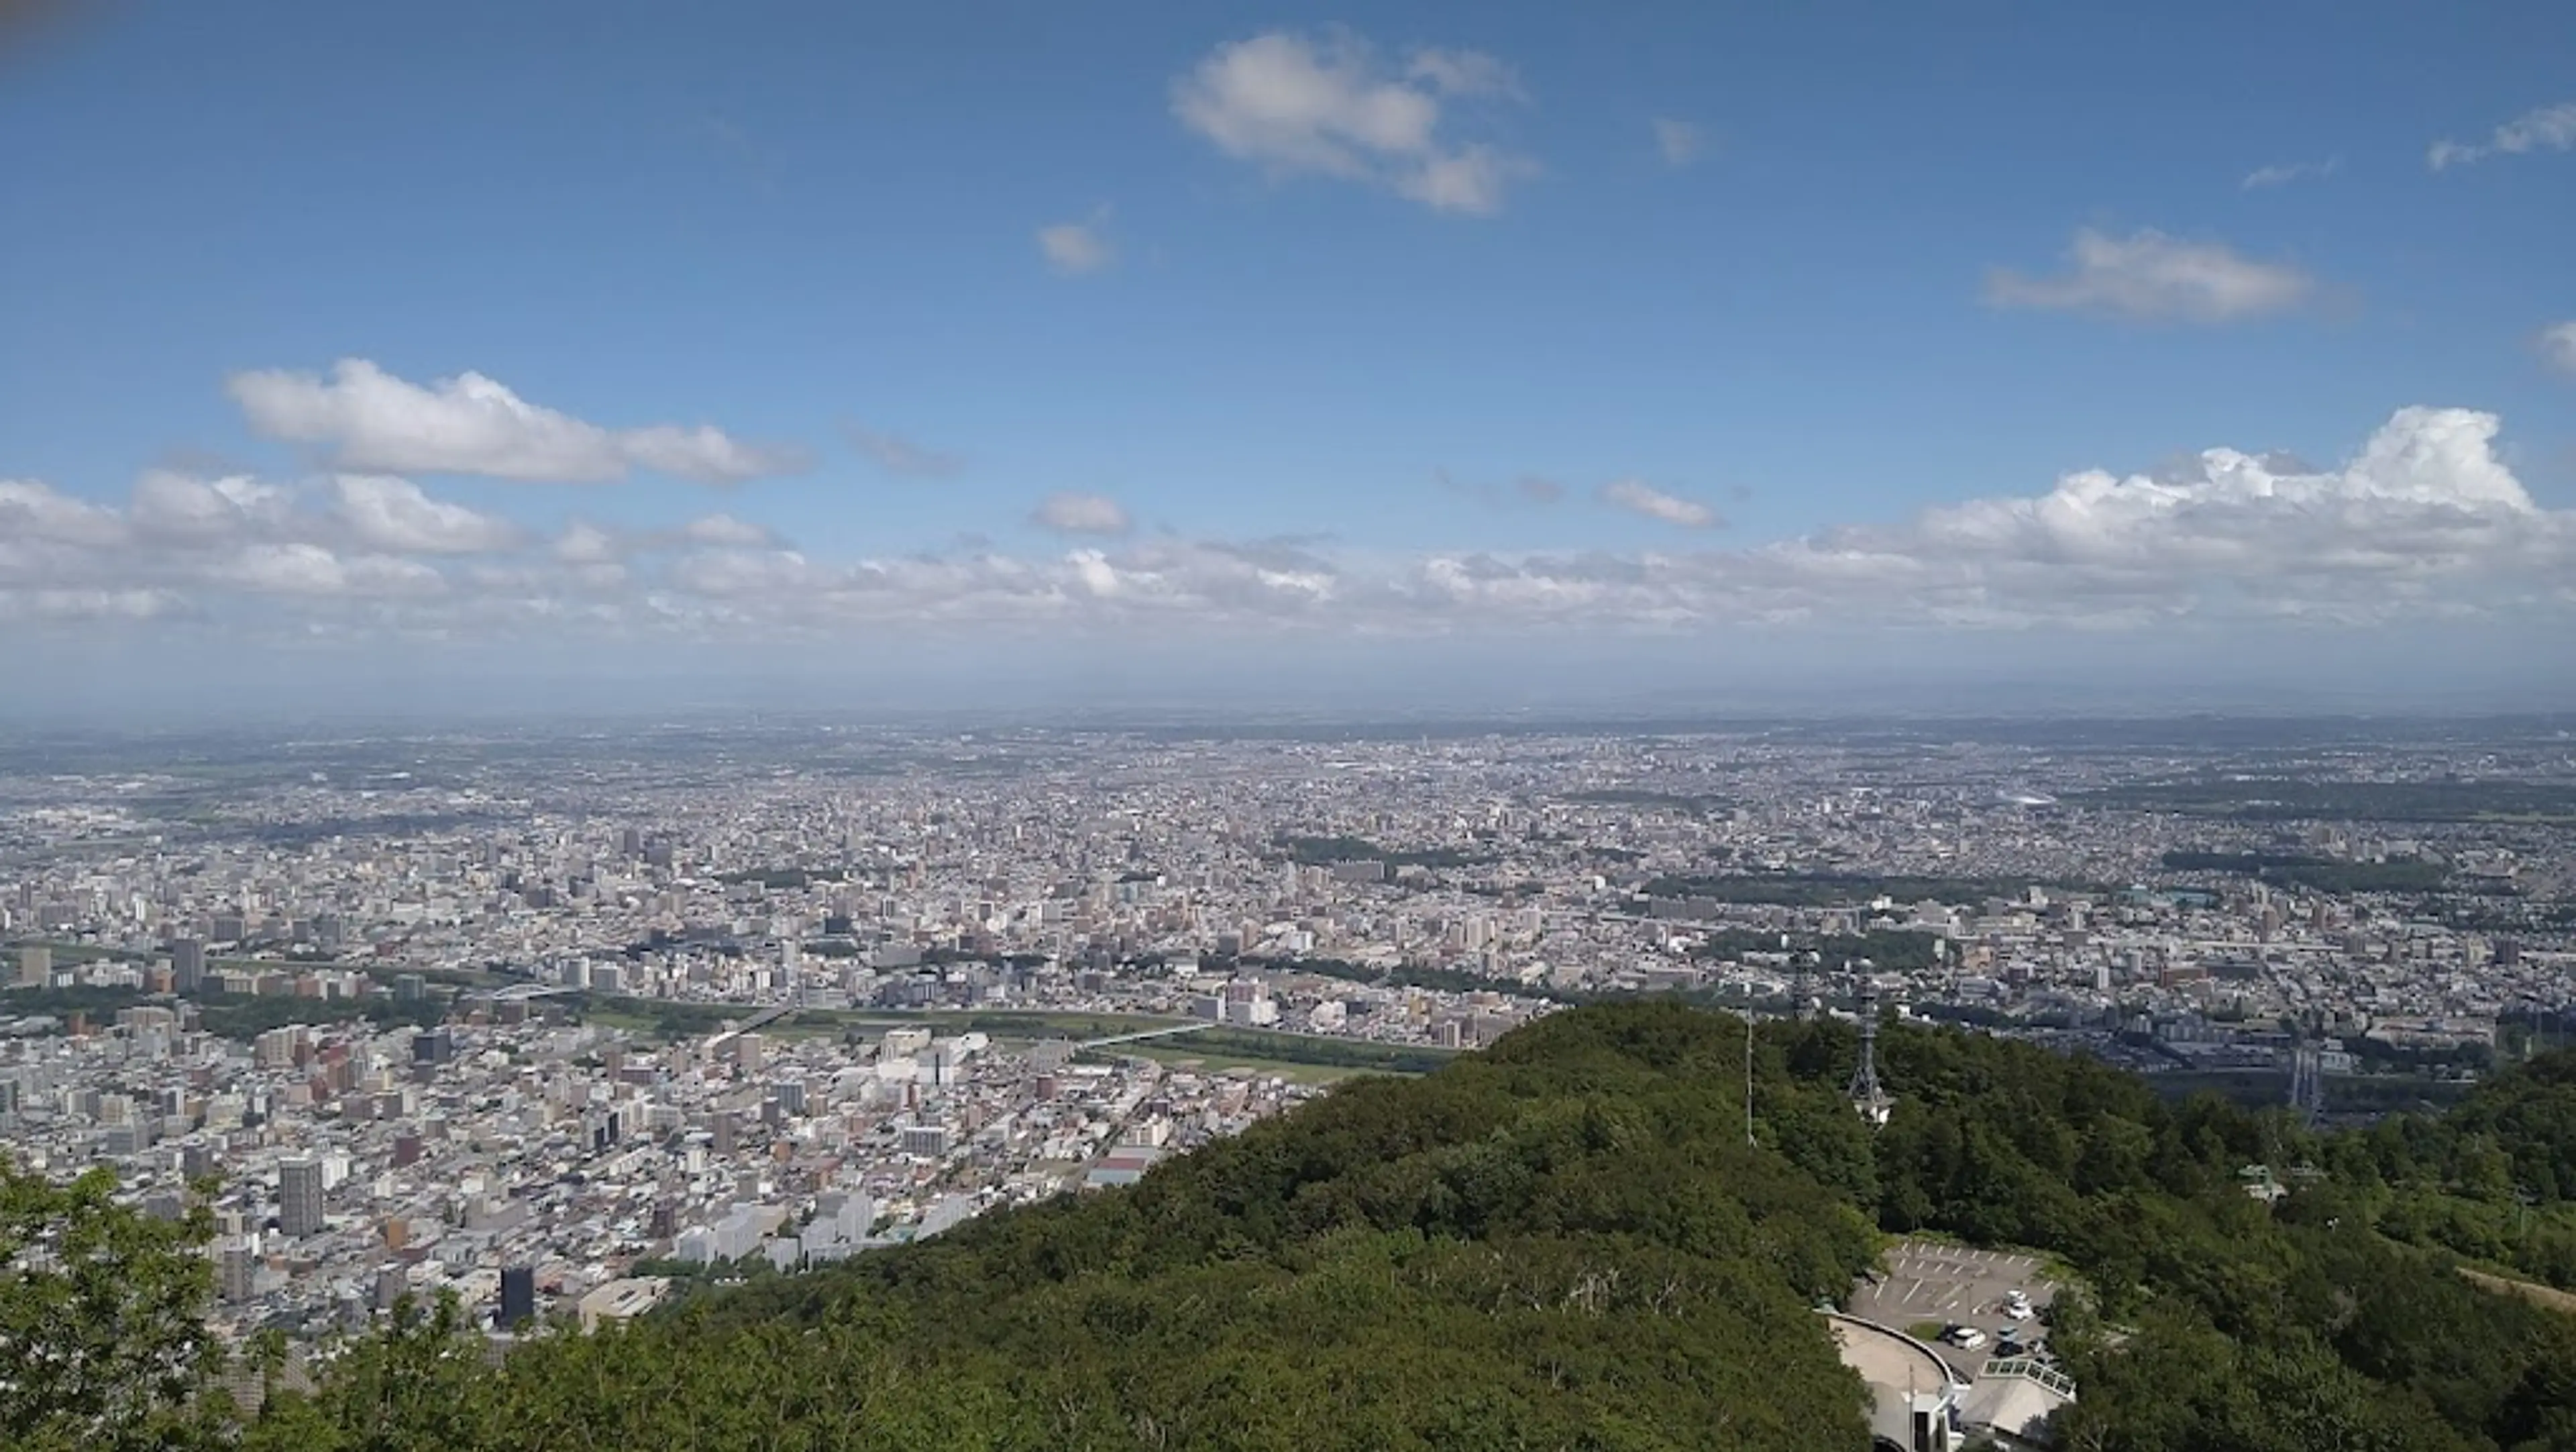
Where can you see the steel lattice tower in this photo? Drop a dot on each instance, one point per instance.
(1867, 1095)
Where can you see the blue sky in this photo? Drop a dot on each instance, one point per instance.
(1035, 322)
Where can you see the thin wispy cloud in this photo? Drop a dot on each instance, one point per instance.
(1334, 106)
(2542, 128)
(2148, 276)
(369, 419)
(1638, 497)
(1076, 248)
(1073, 512)
(900, 456)
(2263, 178)
(2558, 346)
(1679, 142)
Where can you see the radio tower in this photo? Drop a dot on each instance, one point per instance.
(1866, 1094)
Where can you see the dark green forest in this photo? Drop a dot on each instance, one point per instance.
(1562, 1242)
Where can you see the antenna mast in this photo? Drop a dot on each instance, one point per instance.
(1748, 1078)
(1866, 1094)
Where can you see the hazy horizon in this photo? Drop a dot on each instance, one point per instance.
(1499, 359)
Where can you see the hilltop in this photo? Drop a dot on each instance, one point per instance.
(1566, 1242)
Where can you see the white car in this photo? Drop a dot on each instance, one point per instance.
(1967, 1338)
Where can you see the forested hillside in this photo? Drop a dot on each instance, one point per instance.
(1566, 1242)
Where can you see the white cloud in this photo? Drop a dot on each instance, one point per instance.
(1680, 142)
(584, 543)
(1075, 248)
(34, 511)
(2148, 276)
(390, 514)
(180, 509)
(1069, 512)
(471, 424)
(308, 569)
(1638, 497)
(1294, 105)
(2558, 346)
(2283, 174)
(2425, 520)
(900, 456)
(705, 454)
(2542, 128)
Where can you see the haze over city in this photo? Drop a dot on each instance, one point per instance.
(826, 356)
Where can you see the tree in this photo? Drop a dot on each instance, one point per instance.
(102, 1334)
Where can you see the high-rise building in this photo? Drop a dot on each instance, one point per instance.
(35, 965)
(234, 1267)
(518, 1295)
(299, 1197)
(187, 964)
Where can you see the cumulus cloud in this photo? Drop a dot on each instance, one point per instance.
(390, 514)
(1334, 106)
(2150, 277)
(173, 508)
(2542, 128)
(310, 569)
(2424, 519)
(1075, 248)
(470, 424)
(2558, 346)
(1680, 142)
(1069, 512)
(1638, 497)
(2281, 175)
(584, 543)
(902, 457)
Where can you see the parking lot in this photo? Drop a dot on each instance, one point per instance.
(1925, 1287)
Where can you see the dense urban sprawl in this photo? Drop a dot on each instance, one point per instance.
(560, 1022)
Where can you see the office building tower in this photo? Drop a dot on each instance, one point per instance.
(434, 1046)
(518, 1296)
(35, 966)
(234, 1268)
(299, 1197)
(187, 964)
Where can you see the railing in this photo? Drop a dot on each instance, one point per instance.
(2029, 1369)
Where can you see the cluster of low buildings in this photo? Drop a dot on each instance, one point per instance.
(586, 930)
